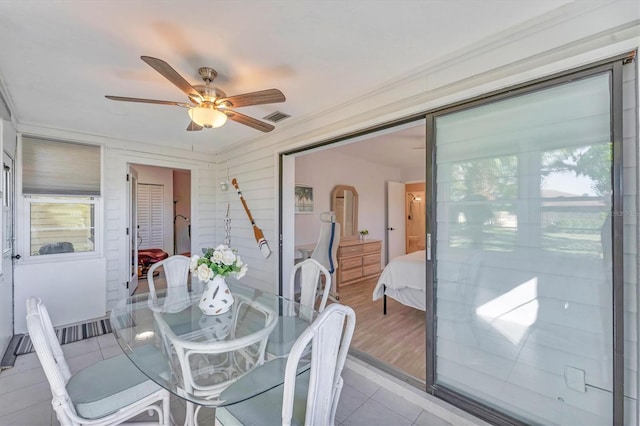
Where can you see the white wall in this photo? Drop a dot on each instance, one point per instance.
(324, 170)
(415, 174)
(80, 284)
(97, 286)
(164, 177)
(203, 209)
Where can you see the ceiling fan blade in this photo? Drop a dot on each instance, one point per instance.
(268, 96)
(148, 101)
(172, 75)
(192, 127)
(248, 121)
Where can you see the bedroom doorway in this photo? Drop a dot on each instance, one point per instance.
(162, 213)
(416, 229)
(394, 342)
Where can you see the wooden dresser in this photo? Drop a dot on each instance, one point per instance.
(358, 260)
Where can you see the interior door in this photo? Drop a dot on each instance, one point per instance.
(150, 215)
(395, 220)
(6, 280)
(133, 228)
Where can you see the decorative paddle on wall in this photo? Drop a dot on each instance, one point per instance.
(257, 232)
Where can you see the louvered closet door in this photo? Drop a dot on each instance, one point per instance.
(150, 216)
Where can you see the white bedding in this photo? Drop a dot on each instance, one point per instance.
(404, 278)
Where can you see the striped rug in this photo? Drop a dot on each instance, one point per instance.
(69, 334)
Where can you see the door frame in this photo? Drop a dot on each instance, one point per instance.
(132, 226)
(8, 235)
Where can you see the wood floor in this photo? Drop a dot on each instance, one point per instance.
(398, 338)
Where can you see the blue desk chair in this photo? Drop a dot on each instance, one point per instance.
(326, 250)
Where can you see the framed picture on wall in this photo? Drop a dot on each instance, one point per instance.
(304, 199)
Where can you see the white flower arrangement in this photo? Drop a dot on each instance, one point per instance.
(221, 260)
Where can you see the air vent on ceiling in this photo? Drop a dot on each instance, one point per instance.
(277, 116)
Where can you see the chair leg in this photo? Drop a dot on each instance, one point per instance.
(166, 412)
(191, 415)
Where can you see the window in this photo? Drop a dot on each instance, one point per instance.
(61, 225)
(61, 188)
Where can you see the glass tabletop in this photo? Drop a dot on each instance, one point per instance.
(197, 356)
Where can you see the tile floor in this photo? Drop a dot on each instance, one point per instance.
(25, 398)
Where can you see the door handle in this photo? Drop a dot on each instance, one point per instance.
(391, 229)
(17, 257)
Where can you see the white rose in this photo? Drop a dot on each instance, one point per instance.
(204, 273)
(228, 257)
(216, 256)
(238, 261)
(194, 263)
(221, 247)
(242, 272)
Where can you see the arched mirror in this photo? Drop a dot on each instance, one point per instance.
(344, 203)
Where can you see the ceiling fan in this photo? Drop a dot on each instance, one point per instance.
(209, 106)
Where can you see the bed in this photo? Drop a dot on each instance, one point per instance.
(404, 279)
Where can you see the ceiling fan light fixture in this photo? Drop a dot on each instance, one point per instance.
(207, 116)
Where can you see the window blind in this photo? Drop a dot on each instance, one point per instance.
(59, 168)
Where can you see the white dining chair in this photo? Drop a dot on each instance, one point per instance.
(216, 353)
(105, 393)
(312, 276)
(176, 271)
(309, 398)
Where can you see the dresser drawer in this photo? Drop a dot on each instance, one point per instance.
(350, 263)
(350, 274)
(371, 247)
(349, 250)
(371, 259)
(370, 269)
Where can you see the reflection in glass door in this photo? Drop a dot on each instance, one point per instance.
(524, 248)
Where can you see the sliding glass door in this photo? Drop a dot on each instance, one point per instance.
(523, 257)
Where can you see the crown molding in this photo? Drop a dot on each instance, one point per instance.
(574, 35)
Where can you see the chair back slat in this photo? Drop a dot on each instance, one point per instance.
(310, 278)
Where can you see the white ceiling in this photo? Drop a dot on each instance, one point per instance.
(58, 59)
(402, 147)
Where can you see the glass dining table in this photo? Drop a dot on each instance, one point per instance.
(198, 357)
